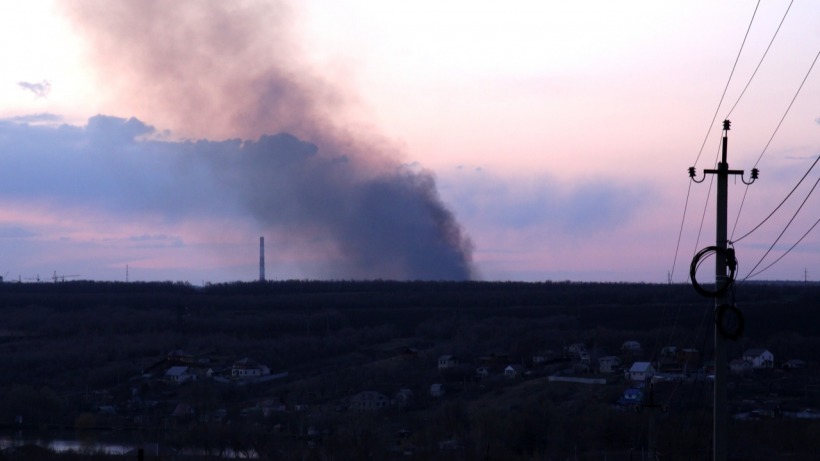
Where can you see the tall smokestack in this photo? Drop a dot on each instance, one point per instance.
(261, 259)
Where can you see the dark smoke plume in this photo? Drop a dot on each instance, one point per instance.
(224, 70)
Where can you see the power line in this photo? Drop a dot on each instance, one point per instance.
(680, 232)
(743, 201)
(752, 272)
(706, 138)
(734, 66)
(760, 62)
(789, 108)
(778, 206)
(787, 251)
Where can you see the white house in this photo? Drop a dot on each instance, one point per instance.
(759, 358)
(482, 372)
(640, 371)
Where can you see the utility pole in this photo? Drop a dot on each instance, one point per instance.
(721, 419)
(652, 446)
(724, 259)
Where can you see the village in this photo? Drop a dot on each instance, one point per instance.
(186, 390)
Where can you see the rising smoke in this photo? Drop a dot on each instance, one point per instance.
(228, 70)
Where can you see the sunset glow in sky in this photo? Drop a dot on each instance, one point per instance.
(558, 133)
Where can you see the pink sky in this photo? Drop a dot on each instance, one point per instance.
(559, 133)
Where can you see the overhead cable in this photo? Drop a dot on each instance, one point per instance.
(752, 272)
(787, 251)
(788, 108)
(777, 207)
(743, 201)
(734, 66)
(760, 62)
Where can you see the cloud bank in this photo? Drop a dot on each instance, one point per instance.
(363, 224)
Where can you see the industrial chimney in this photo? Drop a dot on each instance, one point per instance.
(261, 259)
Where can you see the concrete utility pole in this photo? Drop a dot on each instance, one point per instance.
(721, 419)
(724, 259)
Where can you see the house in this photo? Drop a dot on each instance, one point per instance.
(494, 358)
(513, 371)
(544, 357)
(576, 349)
(410, 353)
(608, 364)
(640, 371)
(688, 358)
(179, 357)
(759, 358)
(369, 401)
(740, 367)
(437, 390)
(631, 346)
(179, 374)
(447, 362)
(482, 372)
(248, 368)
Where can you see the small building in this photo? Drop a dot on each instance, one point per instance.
(447, 362)
(544, 357)
(609, 364)
(640, 371)
(437, 390)
(494, 358)
(369, 401)
(794, 364)
(482, 372)
(513, 371)
(248, 368)
(179, 374)
(759, 358)
(410, 353)
(631, 346)
(740, 367)
(688, 358)
(576, 349)
(179, 357)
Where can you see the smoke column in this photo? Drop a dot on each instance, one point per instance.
(220, 70)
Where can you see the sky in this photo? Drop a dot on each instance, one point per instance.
(534, 140)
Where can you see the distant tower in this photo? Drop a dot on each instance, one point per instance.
(261, 259)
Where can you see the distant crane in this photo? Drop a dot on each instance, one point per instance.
(62, 278)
